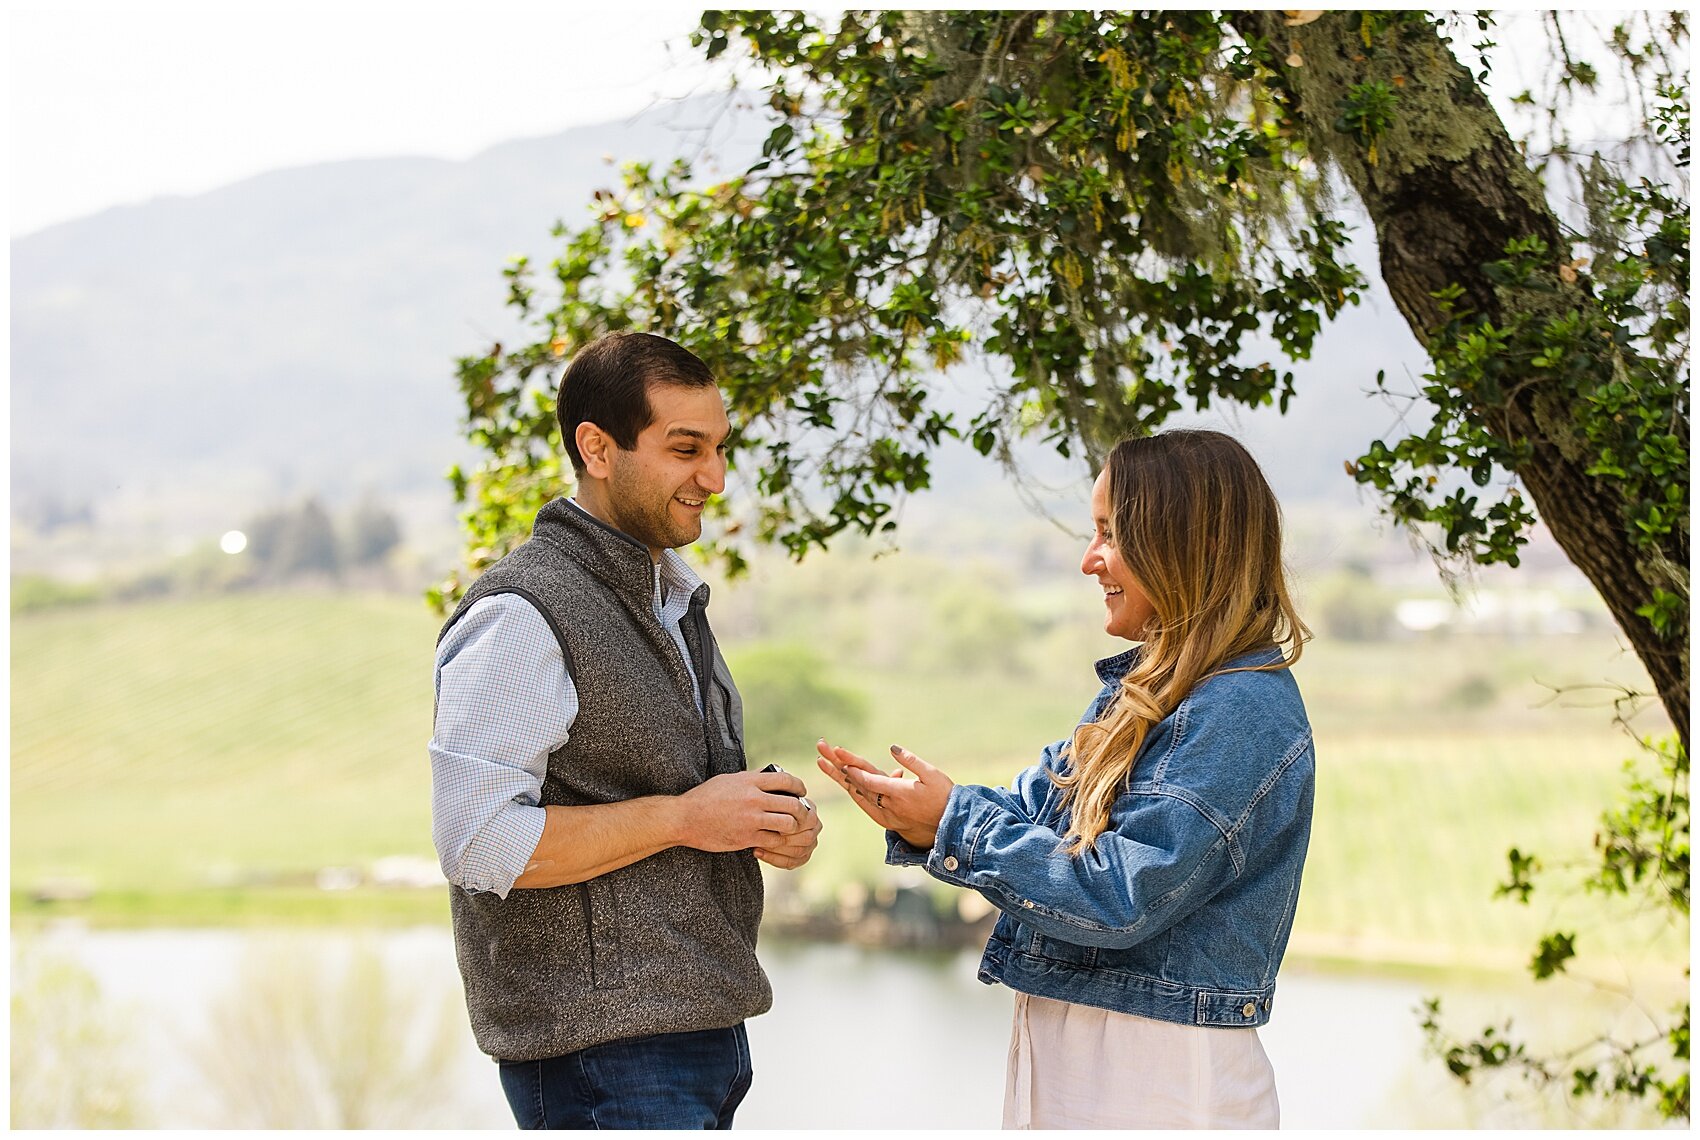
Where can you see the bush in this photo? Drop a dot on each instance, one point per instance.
(1350, 606)
(70, 1061)
(789, 703)
(35, 592)
(305, 1040)
(1472, 692)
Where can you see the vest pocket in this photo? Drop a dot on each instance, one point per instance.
(731, 705)
(602, 934)
(736, 877)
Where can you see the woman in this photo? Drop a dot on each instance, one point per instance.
(1147, 869)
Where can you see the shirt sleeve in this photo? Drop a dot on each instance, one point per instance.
(504, 702)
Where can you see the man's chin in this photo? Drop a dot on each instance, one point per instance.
(684, 535)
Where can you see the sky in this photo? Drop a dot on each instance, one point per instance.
(116, 103)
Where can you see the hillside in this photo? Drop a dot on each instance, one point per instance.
(256, 753)
(181, 364)
(294, 332)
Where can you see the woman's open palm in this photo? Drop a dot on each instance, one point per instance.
(912, 808)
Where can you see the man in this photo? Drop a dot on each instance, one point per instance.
(589, 799)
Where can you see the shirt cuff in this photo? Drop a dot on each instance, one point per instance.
(498, 854)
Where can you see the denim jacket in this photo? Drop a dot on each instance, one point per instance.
(1181, 909)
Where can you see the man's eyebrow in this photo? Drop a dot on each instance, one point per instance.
(693, 433)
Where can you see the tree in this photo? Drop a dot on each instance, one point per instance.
(372, 532)
(1348, 605)
(308, 544)
(1110, 204)
(1113, 206)
(265, 535)
(788, 701)
(286, 543)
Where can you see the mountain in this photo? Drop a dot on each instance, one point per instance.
(292, 333)
(179, 364)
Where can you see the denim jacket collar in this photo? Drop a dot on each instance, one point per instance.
(1112, 669)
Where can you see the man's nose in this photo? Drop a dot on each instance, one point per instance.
(712, 475)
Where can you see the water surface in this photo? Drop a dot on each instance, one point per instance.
(857, 1038)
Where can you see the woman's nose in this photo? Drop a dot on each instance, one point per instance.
(1092, 559)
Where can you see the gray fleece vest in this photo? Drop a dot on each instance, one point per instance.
(666, 945)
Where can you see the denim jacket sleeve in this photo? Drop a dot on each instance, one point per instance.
(1025, 801)
(1168, 852)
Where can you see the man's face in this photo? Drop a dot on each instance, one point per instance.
(656, 491)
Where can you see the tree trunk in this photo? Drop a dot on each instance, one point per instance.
(1447, 190)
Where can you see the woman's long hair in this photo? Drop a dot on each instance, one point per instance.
(1198, 528)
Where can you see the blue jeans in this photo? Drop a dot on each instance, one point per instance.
(669, 1080)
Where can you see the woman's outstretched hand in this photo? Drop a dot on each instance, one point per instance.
(912, 808)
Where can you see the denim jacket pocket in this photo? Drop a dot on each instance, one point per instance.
(1057, 950)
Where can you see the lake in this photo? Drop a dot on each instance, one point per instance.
(350, 1029)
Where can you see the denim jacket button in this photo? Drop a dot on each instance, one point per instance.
(1028, 903)
(950, 863)
(1250, 1009)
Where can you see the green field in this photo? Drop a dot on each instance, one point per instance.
(205, 760)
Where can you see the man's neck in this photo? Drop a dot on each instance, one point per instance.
(589, 499)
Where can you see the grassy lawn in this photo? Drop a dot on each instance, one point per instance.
(202, 761)
(176, 745)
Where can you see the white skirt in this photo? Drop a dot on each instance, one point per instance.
(1075, 1066)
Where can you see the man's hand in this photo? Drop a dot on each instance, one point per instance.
(739, 811)
(912, 808)
(742, 810)
(796, 848)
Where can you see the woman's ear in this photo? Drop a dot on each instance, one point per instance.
(595, 447)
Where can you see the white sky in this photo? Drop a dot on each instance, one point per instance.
(118, 101)
(112, 103)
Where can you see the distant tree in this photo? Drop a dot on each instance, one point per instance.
(265, 533)
(1349, 605)
(38, 592)
(51, 512)
(372, 532)
(789, 703)
(290, 542)
(307, 543)
(972, 627)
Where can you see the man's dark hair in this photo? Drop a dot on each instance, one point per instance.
(608, 383)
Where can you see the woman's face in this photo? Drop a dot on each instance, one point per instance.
(1126, 608)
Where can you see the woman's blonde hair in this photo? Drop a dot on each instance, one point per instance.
(1199, 530)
